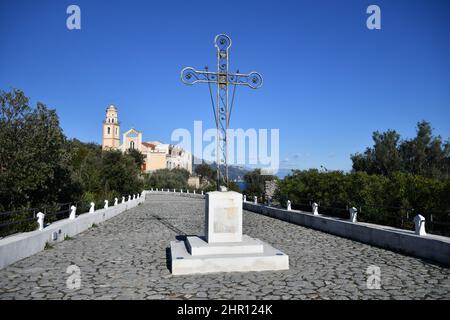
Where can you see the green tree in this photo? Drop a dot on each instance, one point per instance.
(233, 186)
(386, 200)
(34, 166)
(165, 178)
(204, 171)
(383, 158)
(119, 174)
(425, 155)
(138, 157)
(104, 174)
(255, 183)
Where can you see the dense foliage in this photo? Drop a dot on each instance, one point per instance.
(103, 174)
(208, 177)
(34, 165)
(205, 172)
(255, 183)
(425, 155)
(168, 179)
(384, 200)
(40, 168)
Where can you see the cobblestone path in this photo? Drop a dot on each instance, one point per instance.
(126, 258)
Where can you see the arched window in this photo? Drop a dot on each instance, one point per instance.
(109, 130)
(131, 144)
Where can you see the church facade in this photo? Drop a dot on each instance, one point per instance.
(157, 155)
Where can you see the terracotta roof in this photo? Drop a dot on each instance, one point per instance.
(154, 142)
(149, 145)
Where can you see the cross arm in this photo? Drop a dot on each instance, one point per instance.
(253, 79)
(190, 76)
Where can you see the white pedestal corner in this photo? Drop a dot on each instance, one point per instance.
(224, 248)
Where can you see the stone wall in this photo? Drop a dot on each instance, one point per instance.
(430, 247)
(270, 188)
(19, 246)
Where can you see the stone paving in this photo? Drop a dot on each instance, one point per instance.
(126, 258)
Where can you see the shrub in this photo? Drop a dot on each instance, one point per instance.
(393, 200)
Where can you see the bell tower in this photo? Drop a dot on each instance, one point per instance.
(111, 130)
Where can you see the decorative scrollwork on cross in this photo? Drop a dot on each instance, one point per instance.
(223, 79)
(253, 79)
(190, 76)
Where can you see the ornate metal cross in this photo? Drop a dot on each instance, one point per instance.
(223, 79)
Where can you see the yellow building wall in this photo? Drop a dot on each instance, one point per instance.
(194, 182)
(111, 140)
(155, 161)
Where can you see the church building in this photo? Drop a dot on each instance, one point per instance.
(157, 155)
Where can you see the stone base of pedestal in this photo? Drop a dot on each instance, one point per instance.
(197, 246)
(196, 256)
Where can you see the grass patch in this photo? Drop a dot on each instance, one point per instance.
(94, 225)
(48, 246)
(67, 237)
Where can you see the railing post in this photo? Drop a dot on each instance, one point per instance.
(129, 198)
(288, 206)
(245, 198)
(106, 204)
(353, 214)
(73, 211)
(255, 200)
(116, 201)
(419, 222)
(40, 220)
(315, 209)
(123, 199)
(92, 208)
(202, 192)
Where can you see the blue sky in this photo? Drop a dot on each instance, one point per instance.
(329, 82)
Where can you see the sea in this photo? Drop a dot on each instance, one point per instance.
(242, 185)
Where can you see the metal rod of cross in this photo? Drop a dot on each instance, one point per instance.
(223, 79)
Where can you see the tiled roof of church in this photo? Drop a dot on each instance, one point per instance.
(149, 145)
(154, 142)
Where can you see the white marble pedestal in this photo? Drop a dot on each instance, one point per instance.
(224, 248)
